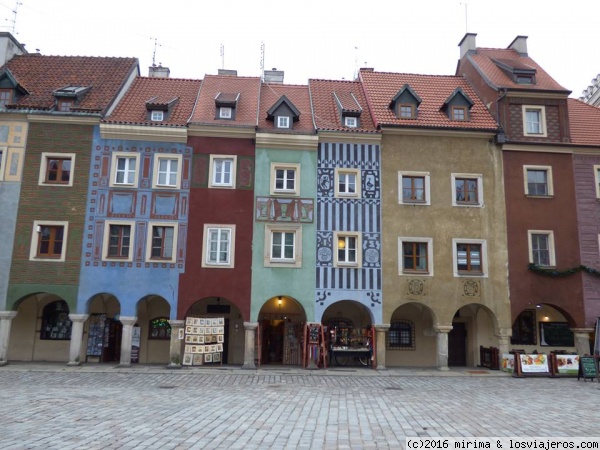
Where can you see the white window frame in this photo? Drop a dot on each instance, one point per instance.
(208, 228)
(542, 112)
(410, 272)
(426, 176)
(551, 247)
(3, 155)
(157, 116)
(151, 226)
(471, 176)
(337, 236)
(285, 166)
(113, 169)
(549, 180)
(212, 173)
(225, 112)
(44, 167)
(350, 121)
(157, 159)
(596, 179)
(37, 224)
(358, 182)
(484, 258)
(283, 122)
(106, 241)
(294, 263)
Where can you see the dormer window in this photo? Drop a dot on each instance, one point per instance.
(522, 79)
(459, 113)
(69, 96)
(405, 103)
(157, 116)
(64, 105)
(458, 106)
(516, 70)
(283, 122)
(225, 112)
(350, 122)
(226, 105)
(348, 108)
(5, 97)
(160, 109)
(407, 111)
(283, 113)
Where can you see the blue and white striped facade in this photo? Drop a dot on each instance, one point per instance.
(361, 214)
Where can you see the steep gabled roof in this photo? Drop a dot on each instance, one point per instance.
(273, 95)
(584, 123)
(381, 87)
(246, 106)
(326, 111)
(42, 75)
(145, 92)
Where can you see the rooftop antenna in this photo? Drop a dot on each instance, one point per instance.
(14, 20)
(466, 16)
(355, 63)
(156, 44)
(222, 57)
(262, 61)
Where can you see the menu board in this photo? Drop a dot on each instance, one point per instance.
(567, 364)
(204, 339)
(534, 364)
(587, 368)
(508, 362)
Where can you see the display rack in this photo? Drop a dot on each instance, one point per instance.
(315, 346)
(204, 339)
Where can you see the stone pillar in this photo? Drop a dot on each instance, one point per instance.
(76, 337)
(442, 346)
(582, 340)
(175, 345)
(249, 344)
(503, 335)
(126, 339)
(380, 330)
(6, 318)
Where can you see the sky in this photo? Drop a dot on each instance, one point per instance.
(325, 39)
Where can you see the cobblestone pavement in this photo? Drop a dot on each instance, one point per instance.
(55, 408)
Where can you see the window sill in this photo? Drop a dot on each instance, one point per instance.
(468, 205)
(416, 272)
(539, 196)
(470, 274)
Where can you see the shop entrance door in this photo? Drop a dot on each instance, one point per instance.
(112, 341)
(457, 345)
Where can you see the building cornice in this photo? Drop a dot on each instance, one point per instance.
(142, 133)
(336, 136)
(539, 148)
(221, 132)
(437, 132)
(287, 141)
(67, 120)
(545, 95)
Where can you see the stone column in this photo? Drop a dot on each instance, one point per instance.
(126, 339)
(76, 337)
(582, 340)
(503, 335)
(6, 318)
(175, 345)
(442, 346)
(380, 330)
(249, 344)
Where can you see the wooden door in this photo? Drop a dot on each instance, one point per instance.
(457, 345)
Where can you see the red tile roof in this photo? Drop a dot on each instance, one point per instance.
(298, 95)
(584, 122)
(247, 105)
(132, 108)
(326, 108)
(41, 75)
(483, 58)
(381, 87)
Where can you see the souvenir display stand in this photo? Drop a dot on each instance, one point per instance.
(204, 338)
(315, 347)
(348, 344)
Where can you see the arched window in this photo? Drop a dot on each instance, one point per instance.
(56, 324)
(401, 335)
(160, 328)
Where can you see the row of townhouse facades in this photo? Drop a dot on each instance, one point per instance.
(444, 213)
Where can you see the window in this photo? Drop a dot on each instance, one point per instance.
(3, 153)
(523, 329)
(467, 189)
(64, 105)
(541, 248)
(524, 79)
(283, 122)
(224, 112)
(159, 329)
(167, 171)
(470, 257)
(57, 169)
(538, 181)
(347, 183)
(415, 256)
(285, 178)
(407, 111)
(222, 171)
(49, 241)
(414, 188)
(118, 239)
(124, 171)
(534, 120)
(218, 248)
(157, 116)
(162, 242)
(348, 249)
(596, 177)
(401, 335)
(56, 324)
(283, 246)
(350, 122)
(459, 113)
(5, 97)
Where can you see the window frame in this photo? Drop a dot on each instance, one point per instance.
(269, 261)
(410, 345)
(208, 227)
(64, 104)
(412, 272)
(149, 239)
(212, 172)
(46, 156)
(158, 157)
(157, 115)
(412, 108)
(351, 122)
(6, 101)
(541, 109)
(284, 122)
(35, 242)
(549, 180)
(484, 258)
(551, 247)
(3, 156)
(285, 166)
(426, 186)
(468, 176)
(357, 182)
(337, 237)
(223, 109)
(596, 179)
(114, 169)
(455, 109)
(106, 241)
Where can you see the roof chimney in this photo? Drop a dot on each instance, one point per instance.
(519, 45)
(10, 47)
(231, 73)
(158, 71)
(468, 44)
(273, 76)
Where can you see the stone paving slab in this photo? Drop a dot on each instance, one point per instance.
(53, 407)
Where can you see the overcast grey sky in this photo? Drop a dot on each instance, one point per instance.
(327, 39)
